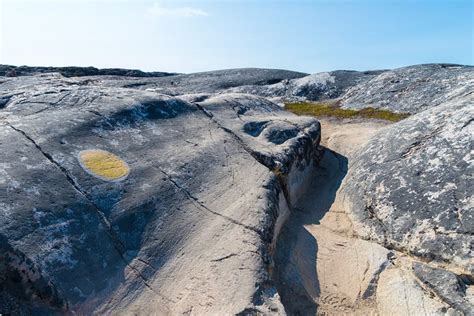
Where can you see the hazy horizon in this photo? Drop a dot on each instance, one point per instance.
(194, 36)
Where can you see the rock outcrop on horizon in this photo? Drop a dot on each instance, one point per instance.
(316, 87)
(14, 71)
(132, 192)
(411, 89)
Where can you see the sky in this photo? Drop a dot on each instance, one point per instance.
(191, 36)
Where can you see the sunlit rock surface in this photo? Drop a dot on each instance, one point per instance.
(411, 187)
(115, 199)
(125, 191)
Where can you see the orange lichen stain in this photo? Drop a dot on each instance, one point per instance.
(103, 164)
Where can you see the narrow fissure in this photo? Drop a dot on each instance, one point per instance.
(202, 206)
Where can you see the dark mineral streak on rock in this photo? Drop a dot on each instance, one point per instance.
(447, 285)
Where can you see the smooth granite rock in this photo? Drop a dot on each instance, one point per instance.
(410, 188)
(411, 89)
(316, 87)
(154, 193)
(188, 228)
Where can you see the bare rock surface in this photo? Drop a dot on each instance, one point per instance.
(186, 230)
(411, 89)
(425, 209)
(210, 82)
(323, 266)
(447, 285)
(154, 193)
(14, 71)
(399, 292)
(315, 87)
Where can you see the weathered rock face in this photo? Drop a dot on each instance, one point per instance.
(210, 82)
(184, 223)
(166, 194)
(411, 89)
(410, 188)
(447, 285)
(316, 87)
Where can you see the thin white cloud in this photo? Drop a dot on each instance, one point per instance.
(187, 12)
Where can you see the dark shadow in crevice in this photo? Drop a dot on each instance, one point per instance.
(295, 272)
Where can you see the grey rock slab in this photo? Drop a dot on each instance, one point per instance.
(14, 71)
(411, 89)
(446, 285)
(315, 87)
(276, 138)
(206, 82)
(410, 188)
(196, 210)
(400, 293)
(47, 222)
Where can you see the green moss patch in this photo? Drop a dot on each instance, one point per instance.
(332, 110)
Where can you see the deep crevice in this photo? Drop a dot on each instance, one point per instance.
(282, 178)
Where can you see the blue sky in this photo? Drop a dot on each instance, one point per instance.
(190, 36)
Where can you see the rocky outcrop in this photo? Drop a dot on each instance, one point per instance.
(179, 194)
(409, 190)
(424, 209)
(14, 71)
(128, 200)
(411, 89)
(315, 87)
(205, 83)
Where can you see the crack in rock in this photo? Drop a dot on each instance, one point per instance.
(114, 238)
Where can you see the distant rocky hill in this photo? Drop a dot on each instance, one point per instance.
(154, 193)
(15, 71)
(412, 89)
(409, 89)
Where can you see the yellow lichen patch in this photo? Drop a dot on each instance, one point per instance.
(103, 164)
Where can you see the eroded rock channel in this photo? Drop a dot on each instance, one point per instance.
(324, 266)
(320, 267)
